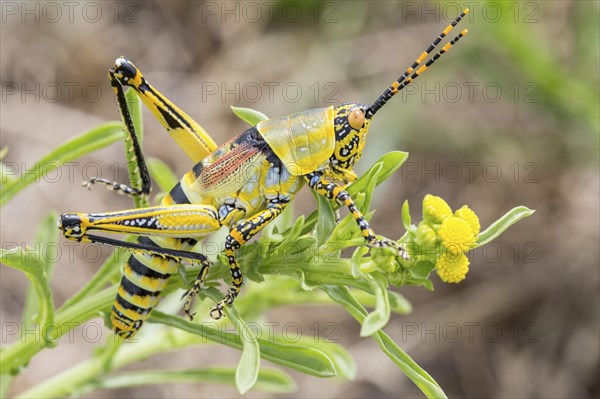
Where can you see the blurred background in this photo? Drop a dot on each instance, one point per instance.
(509, 117)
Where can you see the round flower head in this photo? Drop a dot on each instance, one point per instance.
(435, 209)
(466, 214)
(456, 235)
(452, 268)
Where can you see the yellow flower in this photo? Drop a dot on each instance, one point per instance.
(466, 214)
(435, 209)
(456, 235)
(452, 268)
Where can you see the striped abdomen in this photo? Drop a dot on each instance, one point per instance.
(145, 276)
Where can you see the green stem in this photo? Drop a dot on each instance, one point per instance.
(19, 353)
(335, 273)
(70, 381)
(419, 376)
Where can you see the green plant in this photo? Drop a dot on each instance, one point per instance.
(306, 251)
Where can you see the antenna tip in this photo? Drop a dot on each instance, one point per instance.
(464, 32)
(466, 11)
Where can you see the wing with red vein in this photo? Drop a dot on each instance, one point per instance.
(230, 172)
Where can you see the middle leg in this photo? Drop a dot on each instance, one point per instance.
(237, 237)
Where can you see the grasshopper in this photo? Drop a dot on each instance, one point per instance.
(243, 184)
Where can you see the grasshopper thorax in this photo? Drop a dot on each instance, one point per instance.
(351, 124)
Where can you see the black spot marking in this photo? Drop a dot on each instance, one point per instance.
(169, 119)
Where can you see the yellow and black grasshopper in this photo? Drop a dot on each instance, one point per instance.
(244, 185)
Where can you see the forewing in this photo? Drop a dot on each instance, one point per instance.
(230, 172)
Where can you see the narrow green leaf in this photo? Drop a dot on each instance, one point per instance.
(499, 226)
(305, 359)
(377, 319)
(388, 163)
(269, 380)
(406, 219)
(74, 148)
(5, 383)
(325, 219)
(344, 363)
(420, 282)
(412, 370)
(247, 370)
(31, 262)
(46, 239)
(422, 269)
(16, 355)
(162, 174)
(293, 233)
(286, 219)
(248, 115)
(372, 177)
(249, 257)
(398, 303)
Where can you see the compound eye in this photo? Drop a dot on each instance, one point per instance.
(356, 119)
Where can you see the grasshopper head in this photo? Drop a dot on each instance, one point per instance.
(71, 225)
(351, 124)
(126, 73)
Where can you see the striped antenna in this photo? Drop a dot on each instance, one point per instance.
(404, 80)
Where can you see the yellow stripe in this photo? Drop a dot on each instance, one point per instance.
(161, 265)
(147, 283)
(167, 200)
(118, 324)
(189, 178)
(145, 302)
(127, 312)
(237, 236)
